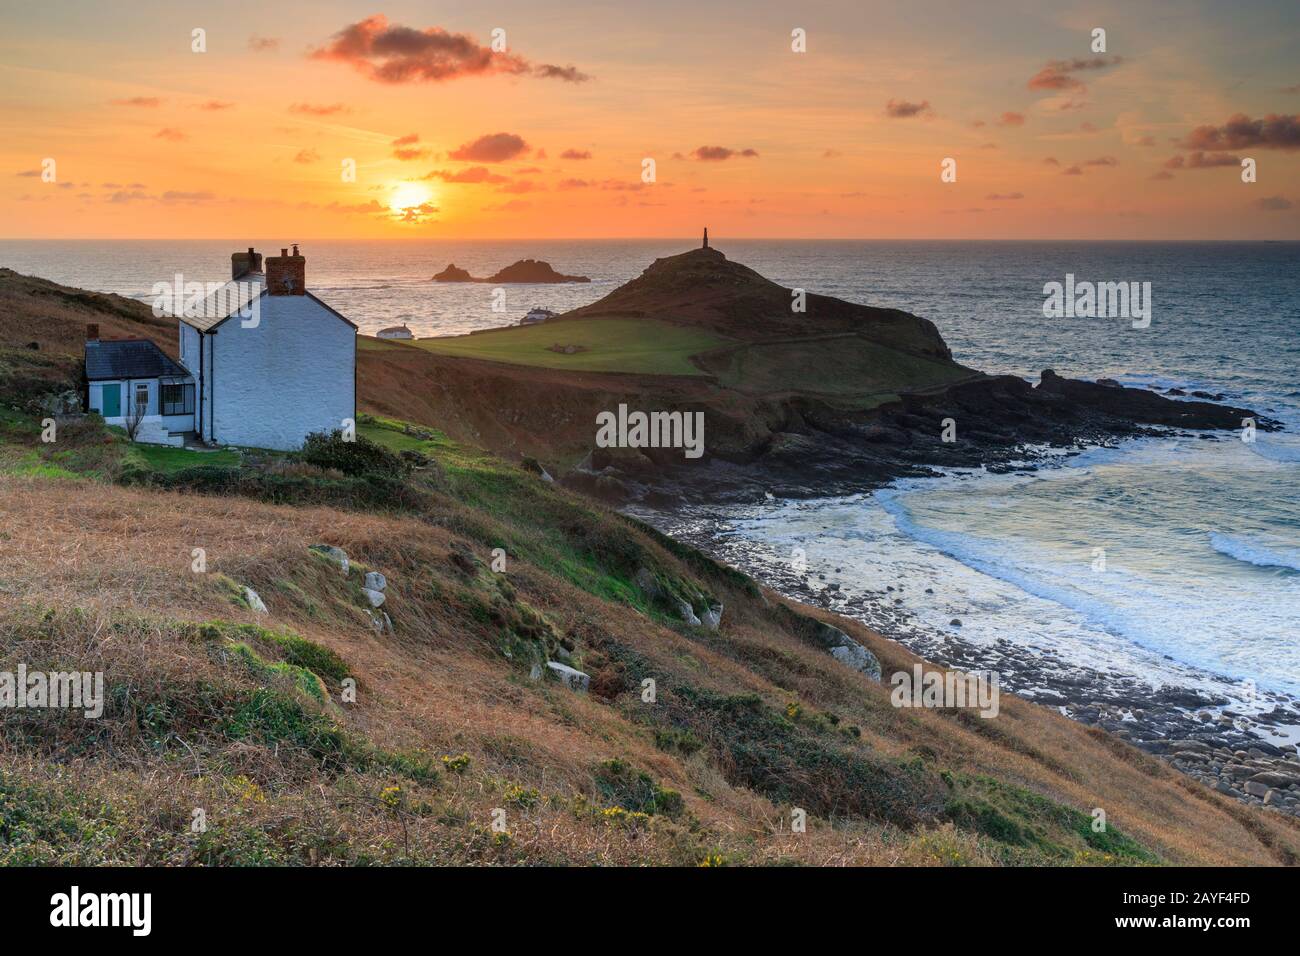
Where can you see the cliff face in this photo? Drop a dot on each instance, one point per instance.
(704, 287)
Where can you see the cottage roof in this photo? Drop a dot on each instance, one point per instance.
(129, 358)
(235, 296)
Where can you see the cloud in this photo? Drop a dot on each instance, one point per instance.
(902, 109)
(405, 147)
(417, 214)
(576, 154)
(263, 44)
(1012, 119)
(1051, 161)
(392, 53)
(1059, 74)
(510, 205)
(570, 74)
(573, 184)
(1072, 171)
(1273, 203)
(832, 154)
(214, 105)
(1163, 174)
(29, 172)
(1102, 161)
(1274, 131)
(145, 101)
(306, 156)
(124, 197)
(173, 195)
(473, 174)
(491, 148)
(521, 186)
(716, 154)
(1005, 196)
(175, 135)
(311, 109)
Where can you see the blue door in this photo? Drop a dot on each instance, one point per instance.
(112, 401)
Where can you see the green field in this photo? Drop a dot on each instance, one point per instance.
(642, 346)
(841, 365)
(165, 458)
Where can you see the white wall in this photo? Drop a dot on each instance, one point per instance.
(291, 374)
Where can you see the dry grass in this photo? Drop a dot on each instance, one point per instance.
(439, 686)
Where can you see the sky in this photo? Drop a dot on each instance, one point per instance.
(572, 119)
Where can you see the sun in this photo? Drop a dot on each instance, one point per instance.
(411, 202)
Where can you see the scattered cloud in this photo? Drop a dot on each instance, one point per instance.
(832, 154)
(1012, 119)
(1274, 131)
(406, 147)
(312, 109)
(1060, 74)
(173, 195)
(576, 154)
(214, 105)
(902, 109)
(1273, 203)
(491, 148)
(149, 102)
(307, 156)
(472, 174)
(716, 154)
(1005, 196)
(263, 44)
(1162, 174)
(392, 53)
(1102, 161)
(174, 135)
(1051, 161)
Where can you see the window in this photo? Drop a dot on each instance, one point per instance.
(141, 399)
(178, 399)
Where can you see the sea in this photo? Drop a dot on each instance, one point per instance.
(1174, 558)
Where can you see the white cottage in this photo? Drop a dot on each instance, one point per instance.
(263, 362)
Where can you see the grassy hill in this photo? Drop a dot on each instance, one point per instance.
(244, 715)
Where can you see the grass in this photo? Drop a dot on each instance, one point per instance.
(642, 346)
(168, 460)
(843, 365)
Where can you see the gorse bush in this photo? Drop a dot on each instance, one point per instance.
(358, 457)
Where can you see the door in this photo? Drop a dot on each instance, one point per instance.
(111, 403)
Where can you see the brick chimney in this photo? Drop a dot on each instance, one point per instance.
(92, 332)
(286, 274)
(242, 263)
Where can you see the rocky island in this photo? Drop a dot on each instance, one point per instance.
(523, 271)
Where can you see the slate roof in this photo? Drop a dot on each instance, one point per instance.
(129, 358)
(235, 296)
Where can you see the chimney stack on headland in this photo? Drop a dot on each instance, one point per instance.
(286, 274)
(242, 263)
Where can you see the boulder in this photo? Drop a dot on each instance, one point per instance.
(376, 598)
(713, 616)
(848, 651)
(254, 601)
(376, 581)
(573, 679)
(331, 553)
(647, 582)
(687, 613)
(1256, 789)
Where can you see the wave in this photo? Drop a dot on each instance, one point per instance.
(1252, 552)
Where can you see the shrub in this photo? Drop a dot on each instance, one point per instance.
(359, 457)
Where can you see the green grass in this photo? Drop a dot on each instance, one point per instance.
(167, 459)
(845, 365)
(642, 346)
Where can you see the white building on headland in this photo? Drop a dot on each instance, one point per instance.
(270, 365)
(395, 332)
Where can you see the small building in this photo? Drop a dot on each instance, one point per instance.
(263, 363)
(395, 332)
(134, 384)
(536, 316)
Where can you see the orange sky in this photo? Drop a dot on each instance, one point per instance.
(548, 137)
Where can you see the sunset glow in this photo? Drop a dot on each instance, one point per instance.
(520, 123)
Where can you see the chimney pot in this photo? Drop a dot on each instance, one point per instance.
(286, 274)
(284, 252)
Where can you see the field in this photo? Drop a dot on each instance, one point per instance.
(641, 346)
(838, 365)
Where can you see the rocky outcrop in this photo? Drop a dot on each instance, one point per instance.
(570, 677)
(523, 271)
